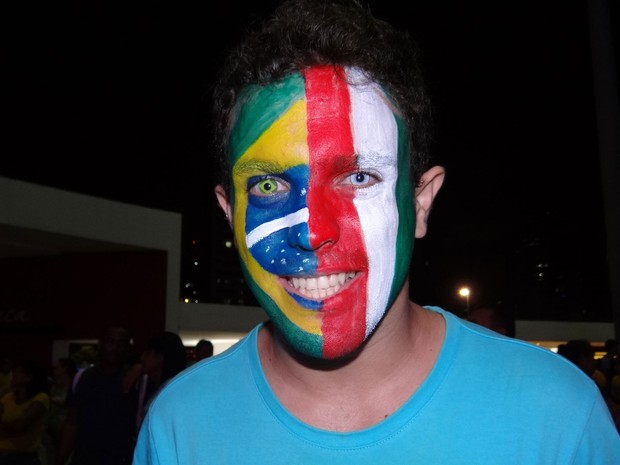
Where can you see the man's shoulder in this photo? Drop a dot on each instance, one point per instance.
(486, 350)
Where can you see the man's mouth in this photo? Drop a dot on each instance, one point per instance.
(320, 287)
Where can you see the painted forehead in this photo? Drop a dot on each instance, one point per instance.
(259, 107)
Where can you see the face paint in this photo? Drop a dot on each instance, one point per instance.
(323, 223)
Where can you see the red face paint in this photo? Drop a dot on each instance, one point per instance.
(334, 226)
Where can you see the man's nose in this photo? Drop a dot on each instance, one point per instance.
(299, 236)
(319, 231)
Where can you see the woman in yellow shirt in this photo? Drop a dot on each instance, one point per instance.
(23, 411)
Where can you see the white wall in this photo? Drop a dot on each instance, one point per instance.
(42, 220)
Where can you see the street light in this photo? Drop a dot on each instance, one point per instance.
(465, 292)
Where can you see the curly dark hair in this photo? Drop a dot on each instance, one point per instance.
(304, 33)
(170, 345)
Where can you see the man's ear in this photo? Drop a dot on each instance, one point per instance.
(222, 199)
(425, 193)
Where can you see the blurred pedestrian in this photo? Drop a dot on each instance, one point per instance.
(606, 362)
(163, 358)
(204, 349)
(581, 353)
(23, 411)
(494, 318)
(63, 373)
(6, 373)
(100, 419)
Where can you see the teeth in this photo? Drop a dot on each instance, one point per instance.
(322, 286)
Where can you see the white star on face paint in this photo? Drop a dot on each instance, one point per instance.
(265, 229)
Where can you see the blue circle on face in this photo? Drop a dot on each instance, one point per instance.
(285, 251)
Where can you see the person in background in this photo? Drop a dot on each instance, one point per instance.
(613, 400)
(6, 373)
(581, 353)
(163, 358)
(322, 119)
(63, 373)
(204, 349)
(606, 363)
(23, 411)
(100, 421)
(494, 318)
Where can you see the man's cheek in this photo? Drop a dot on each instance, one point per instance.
(270, 253)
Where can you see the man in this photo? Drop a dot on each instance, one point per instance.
(581, 353)
(163, 358)
(322, 119)
(101, 414)
(493, 318)
(203, 349)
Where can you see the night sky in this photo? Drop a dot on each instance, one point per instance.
(112, 101)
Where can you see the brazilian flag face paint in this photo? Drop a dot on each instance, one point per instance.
(323, 206)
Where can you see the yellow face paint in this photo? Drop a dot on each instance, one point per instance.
(281, 146)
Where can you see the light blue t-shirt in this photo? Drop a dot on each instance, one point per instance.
(489, 399)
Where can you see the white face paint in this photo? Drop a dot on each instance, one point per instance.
(375, 135)
(265, 229)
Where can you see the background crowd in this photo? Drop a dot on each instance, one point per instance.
(82, 412)
(72, 413)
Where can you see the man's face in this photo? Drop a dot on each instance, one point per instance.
(114, 345)
(322, 206)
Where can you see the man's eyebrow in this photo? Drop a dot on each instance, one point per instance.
(261, 166)
(375, 159)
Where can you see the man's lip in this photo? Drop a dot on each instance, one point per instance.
(319, 287)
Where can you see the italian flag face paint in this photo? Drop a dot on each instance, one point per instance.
(323, 221)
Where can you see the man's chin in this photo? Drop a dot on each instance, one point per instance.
(308, 349)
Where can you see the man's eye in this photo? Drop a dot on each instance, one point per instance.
(362, 179)
(267, 186)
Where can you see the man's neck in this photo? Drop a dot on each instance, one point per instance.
(345, 395)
